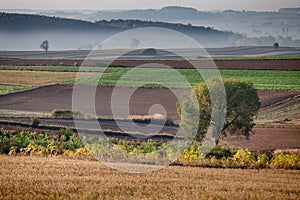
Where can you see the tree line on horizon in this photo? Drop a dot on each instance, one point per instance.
(19, 23)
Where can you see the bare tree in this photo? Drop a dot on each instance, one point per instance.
(45, 45)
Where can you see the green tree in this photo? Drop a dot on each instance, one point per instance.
(238, 109)
(45, 45)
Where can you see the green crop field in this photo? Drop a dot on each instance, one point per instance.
(262, 79)
(5, 89)
(157, 77)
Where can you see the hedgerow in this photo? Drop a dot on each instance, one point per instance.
(67, 143)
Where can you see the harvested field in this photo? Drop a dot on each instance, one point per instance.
(59, 178)
(36, 79)
(48, 98)
(292, 64)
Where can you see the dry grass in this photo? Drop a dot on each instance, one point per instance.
(148, 117)
(59, 178)
(37, 78)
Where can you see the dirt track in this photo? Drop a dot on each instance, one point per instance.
(202, 64)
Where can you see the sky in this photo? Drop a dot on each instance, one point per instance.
(146, 4)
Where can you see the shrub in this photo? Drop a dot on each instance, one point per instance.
(67, 114)
(192, 153)
(13, 151)
(286, 161)
(149, 52)
(82, 153)
(154, 119)
(32, 143)
(35, 121)
(220, 152)
(262, 161)
(243, 158)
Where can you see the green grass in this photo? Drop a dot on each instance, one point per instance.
(5, 89)
(262, 79)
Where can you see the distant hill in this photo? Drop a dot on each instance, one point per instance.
(285, 22)
(24, 23)
(29, 22)
(26, 31)
(289, 10)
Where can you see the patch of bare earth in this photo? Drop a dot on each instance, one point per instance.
(203, 64)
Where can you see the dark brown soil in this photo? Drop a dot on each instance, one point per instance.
(265, 139)
(221, 64)
(48, 98)
(271, 97)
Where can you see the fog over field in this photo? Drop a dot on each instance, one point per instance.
(59, 40)
(209, 28)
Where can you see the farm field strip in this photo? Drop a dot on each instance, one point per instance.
(6, 89)
(262, 79)
(15, 80)
(36, 78)
(51, 68)
(32, 178)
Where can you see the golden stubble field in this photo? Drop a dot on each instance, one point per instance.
(61, 178)
(38, 78)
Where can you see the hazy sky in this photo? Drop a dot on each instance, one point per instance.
(144, 4)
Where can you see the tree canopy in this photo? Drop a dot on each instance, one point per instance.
(199, 115)
(45, 45)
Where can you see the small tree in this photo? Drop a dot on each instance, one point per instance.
(35, 122)
(45, 45)
(134, 43)
(149, 52)
(241, 105)
(276, 45)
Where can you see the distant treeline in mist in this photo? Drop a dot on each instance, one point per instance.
(25, 31)
(25, 22)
